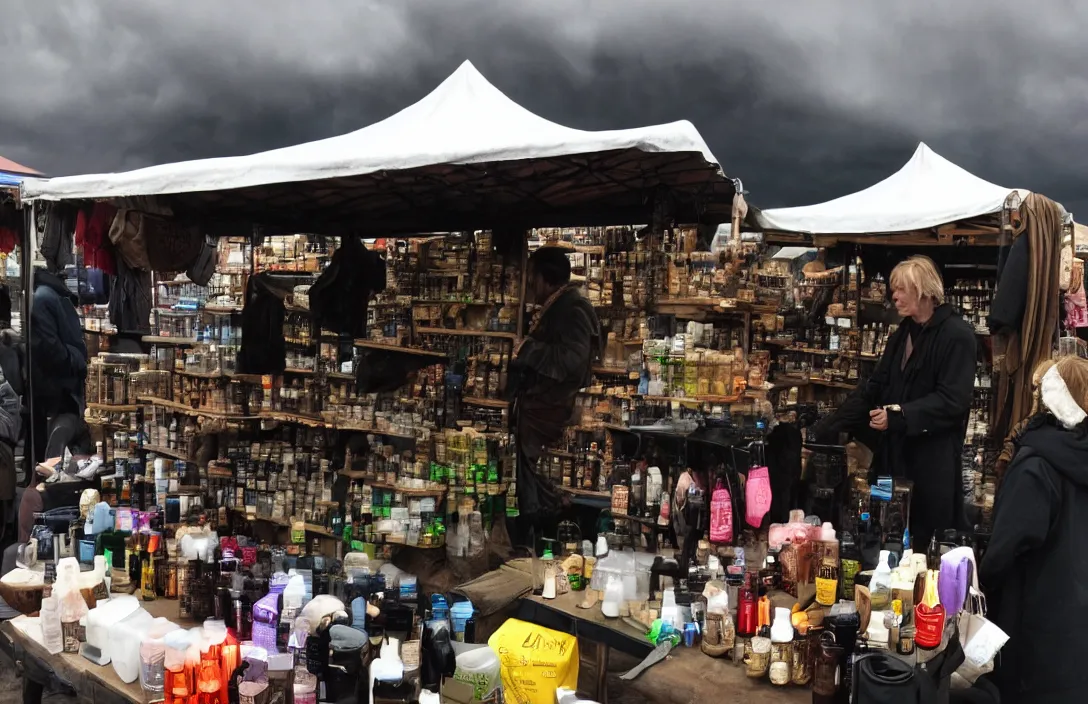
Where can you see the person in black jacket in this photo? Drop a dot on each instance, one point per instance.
(551, 364)
(59, 364)
(1035, 569)
(912, 412)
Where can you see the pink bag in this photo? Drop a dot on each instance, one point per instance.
(757, 495)
(721, 515)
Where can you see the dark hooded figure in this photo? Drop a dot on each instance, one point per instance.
(912, 412)
(551, 364)
(1035, 569)
(59, 362)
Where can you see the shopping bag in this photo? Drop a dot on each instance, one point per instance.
(534, 661)
(757, 493)
(981, 638)
(721, 515)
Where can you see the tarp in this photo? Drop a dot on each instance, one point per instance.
(927, 192)
(465, 120)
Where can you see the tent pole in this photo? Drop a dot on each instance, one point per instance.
(524, 280)
(26, 272)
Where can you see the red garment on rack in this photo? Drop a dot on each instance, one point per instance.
(8, 239)
(93, 234)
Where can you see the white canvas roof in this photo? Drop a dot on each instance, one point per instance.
(464, 121)
(927, 192)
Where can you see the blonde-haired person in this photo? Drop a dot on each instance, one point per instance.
(1035, 570)
(912, 412)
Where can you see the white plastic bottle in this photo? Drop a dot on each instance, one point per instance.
(52, 635)
(880, 587)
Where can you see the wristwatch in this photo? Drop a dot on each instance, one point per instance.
(893, 408)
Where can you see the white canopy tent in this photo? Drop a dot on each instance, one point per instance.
(929, 191)
(465, 152)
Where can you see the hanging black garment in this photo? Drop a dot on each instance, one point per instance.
(130, 299)
(340, 296)
(784, 466)
(1010, 299)
(388, 370)
(264, 349)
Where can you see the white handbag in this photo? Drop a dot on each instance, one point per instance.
(981, 638)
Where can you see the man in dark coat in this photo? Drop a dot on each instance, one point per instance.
(1035, 570)
(916, 403)
(550, 366)
(59, 363)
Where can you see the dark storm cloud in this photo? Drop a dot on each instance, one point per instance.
(803, 100)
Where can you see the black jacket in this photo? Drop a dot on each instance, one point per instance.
(554, 363)
(264, 349)
(1035, 570)
(60, 353)
(925, 441)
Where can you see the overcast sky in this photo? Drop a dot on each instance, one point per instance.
(804, 100)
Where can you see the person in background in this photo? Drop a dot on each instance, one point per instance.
(912, 412)
(1035, 569)
(59, 363)
(550, 365)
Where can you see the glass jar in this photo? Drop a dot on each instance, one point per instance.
(801, 668)
(757, 657)
(781, 663)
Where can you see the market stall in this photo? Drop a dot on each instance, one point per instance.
(384, 435)
(973, 229)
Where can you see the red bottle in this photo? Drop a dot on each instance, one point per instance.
(747, 608)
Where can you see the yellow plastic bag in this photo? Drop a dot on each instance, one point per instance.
(534, 661)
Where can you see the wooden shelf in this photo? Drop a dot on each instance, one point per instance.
(788, 382)
(367, 344)
(159, 340)
(320, 530)
(467, 333)
(485, 402)
(112, 407)
(362, 476)
(611, 371)
(158, 450)
(196, 412)
(585, 493)
(284, 417)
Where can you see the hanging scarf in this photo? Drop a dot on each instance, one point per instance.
(538, 315)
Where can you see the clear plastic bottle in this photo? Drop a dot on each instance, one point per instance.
(880, 587)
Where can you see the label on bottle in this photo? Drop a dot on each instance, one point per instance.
(827, 591)
(847, 572)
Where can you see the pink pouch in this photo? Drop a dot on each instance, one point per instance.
(757, 495)
(721, 515)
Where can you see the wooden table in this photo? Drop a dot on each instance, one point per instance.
(686, 676)
(91, 682)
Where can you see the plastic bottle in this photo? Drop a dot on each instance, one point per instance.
(880, 588)
(849, 565)
(747, 609)
(549, 574)
(52, 635)
(179, 675)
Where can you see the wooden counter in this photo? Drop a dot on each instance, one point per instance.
(91, 682)
(686, 676)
